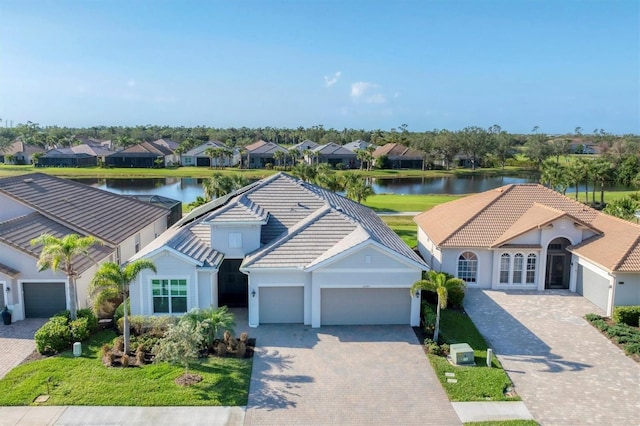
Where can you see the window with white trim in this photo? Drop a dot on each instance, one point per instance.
(235, 240)
(505, 264)
(468, 267)
(518, 265)
(137, 243)
(169, 296)
(531, 268)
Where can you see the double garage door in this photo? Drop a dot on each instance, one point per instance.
(593, 287)
(43, 300)
(343, 306)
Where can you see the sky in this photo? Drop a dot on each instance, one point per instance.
(364, 64)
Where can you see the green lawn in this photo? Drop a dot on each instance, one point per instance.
(86, 381)
(405, 227)
(406, 203)
(479, 383)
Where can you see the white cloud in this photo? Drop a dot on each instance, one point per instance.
(330, 81)
(363, 91)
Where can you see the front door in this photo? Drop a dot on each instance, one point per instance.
(556, 271)
(232, 285)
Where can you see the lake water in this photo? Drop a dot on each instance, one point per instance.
(187, 189)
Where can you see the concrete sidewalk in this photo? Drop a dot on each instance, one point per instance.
(491, 411)
(157, 416)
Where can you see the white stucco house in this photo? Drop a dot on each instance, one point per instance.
(530, 237)
(290, 252)
(34, 204)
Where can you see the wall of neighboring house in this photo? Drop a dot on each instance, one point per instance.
(144, 236)
(627, 289)
(12, 209)
(428, 250)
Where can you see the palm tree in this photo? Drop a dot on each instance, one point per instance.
(278, 156)
(211, 153)
(601, 173)
(112, 280)
(358, 189)
(59, 253)
(294, 154)
(217, 186)
(440, 283)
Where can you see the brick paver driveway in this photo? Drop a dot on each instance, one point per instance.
(344, 376)
(16, 343)
(566, 372)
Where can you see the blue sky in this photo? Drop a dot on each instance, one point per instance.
(368, 64)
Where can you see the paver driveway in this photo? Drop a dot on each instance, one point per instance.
(16, 343)
(343, 375)
(566, 372)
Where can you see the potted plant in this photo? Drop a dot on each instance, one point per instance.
(6, 315)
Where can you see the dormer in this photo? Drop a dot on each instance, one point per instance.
(236, 228)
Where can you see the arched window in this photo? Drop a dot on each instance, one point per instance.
(531, 269)
(505, 264)
(518, 265)
(468, 267)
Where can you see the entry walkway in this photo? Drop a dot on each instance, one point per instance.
(566, 372)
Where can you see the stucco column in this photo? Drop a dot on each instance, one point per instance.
(415, 311)
(612, 295)
(316, 294)
(573, 279)
(254, 304)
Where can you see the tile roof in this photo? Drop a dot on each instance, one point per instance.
(333, 149)
(202, 148)
(90, 211)
(494, 217)
(262, 147)
(19, 232)
(18, 147)
(359, 144)
(167, 143)
(306, 224)
(304, 145)
(144, 148)
(79, 151)
(396, 150)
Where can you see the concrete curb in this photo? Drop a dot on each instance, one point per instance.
(487, 411)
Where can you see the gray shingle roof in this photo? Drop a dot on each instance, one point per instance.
(202, 148)
(333, 149)
(90, 211)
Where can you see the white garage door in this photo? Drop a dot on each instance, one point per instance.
(364, 306)
(281, 305)
(593, 287)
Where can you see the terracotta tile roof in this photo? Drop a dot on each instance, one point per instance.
(262, 147)
(397, 151)
(494, 217)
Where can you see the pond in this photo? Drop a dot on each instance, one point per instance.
(187, 189)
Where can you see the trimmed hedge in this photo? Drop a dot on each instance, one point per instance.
(629, 315)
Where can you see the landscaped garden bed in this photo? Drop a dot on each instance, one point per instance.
(622, 334)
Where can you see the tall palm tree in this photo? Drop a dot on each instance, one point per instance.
(59, 254)
(440, 283)
(112, 280)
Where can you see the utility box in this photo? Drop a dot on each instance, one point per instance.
(462, 354)
(77, 349)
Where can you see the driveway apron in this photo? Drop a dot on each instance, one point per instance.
(16, 343)
(566, 372)
(347, 375)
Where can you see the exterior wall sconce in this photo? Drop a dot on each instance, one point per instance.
(418, 293)
(620, 282)
(253, 293)
(7, 289)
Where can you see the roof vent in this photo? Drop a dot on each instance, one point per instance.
(28, 180)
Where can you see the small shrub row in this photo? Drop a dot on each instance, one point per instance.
(629, 315)
(626, 336)
(147, 325)
(434, 348)
(428, 319)
(57, 334)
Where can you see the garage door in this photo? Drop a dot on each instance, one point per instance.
(361, 306)
(42, 300)
(593, 287)
(281, 305)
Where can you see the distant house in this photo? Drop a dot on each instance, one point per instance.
(260, 153)
(304, 146)
(528, 237)
(400, 156)
(358, 145)
(105, 144)
(82, 155)
(145, 155)
(287, 250)
(19, 152)
(36, 203)
(333, 154)
(198, 157)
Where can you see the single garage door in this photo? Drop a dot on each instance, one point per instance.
(281, 305)
(593, 287)
(43, 300)
(364, 306)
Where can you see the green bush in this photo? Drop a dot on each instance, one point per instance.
(455, 296)
(623, 334)
(80, 329)
(140, 324)
(92, 320)
(629, 315)
(119, 312)
(63, 314)
(428, 319)
(54, 336)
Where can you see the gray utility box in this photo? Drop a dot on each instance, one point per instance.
(462, 354)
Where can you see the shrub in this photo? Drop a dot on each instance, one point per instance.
(140, 325)
(268, 166)
(92, 320)
(592, 317)
(244, 337)
(63, 314)
(118, 343)
(242, 350)
(140, 358)
(54, 336)
(119, 312)
(455, 296)
(125, 360)
(80, 329)
(428, 318)
(147, 342)
(105, 349)
(222, 349)
(629, 315)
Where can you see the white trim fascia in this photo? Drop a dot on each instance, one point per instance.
(582, 260)
(224, 224)
(364, 244)
(249, 269)
(365, 286)
(359, 270)
(280, 285)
